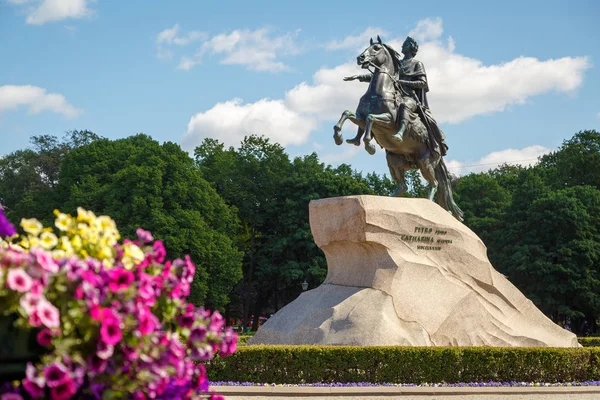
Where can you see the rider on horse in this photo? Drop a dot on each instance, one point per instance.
(413, 87)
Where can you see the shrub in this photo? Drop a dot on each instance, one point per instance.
(312, 364)
(589, 341)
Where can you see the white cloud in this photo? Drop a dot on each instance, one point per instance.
(358, 41)
(230, 121)
(171, 36)
(598, 115)
(461, 87)
(427, 29)
(36, 99)
(42, 11)
(526, 157)
(257, 50)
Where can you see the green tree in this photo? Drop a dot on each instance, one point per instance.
(141, 183)
(484, 203)
(576, 163)
(556, 261)
(28, 177)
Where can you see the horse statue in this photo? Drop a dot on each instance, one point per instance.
(377, 118)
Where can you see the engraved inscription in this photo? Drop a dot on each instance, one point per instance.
(427, 238)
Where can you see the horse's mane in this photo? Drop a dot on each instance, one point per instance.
(395, 57)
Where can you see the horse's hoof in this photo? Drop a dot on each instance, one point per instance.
(370, 148)
(337, 136)
(353, 141)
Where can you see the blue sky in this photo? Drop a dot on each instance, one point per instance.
(508, 80)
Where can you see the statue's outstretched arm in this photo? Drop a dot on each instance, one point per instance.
(362, 78)
(419, 84)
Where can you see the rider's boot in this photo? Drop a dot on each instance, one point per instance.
(400, 134)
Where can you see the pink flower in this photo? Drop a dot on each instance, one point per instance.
(198, 334)
(29, 302)
(120, 279)
(48, 314)
(214, 396)
(104, 351)
(34, 375)
(44, 259)
(11, 396)
(44, 337)
(110, 330)
(18, 280)
(139, 396)
(159, 251)
(203, 353)
(148, 322)
(217, 321)
(56, 374)
(202, 382)
(37, 288)
(34, 319)
(188, 318)
(228, 343)
(12, 257)
(33, 389)
(65, 391)
(144, 236)
(96, 365)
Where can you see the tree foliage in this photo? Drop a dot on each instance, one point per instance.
(141, 183)
(541, 225)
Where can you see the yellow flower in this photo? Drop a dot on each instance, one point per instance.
(106, 224)
(65, 245)
(48, 240)
(104, 253)
(131, 255)
(63, 221)
(76, 242)
(85, 216)
(32, 226)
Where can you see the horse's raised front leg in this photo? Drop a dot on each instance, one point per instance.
(337, 128)
(385, 118)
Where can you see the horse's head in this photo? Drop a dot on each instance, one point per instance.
(376, 54)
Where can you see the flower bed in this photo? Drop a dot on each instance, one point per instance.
(406, 365)
(111, 316)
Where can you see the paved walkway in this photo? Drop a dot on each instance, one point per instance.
(405, 393)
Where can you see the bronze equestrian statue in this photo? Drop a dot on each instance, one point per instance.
(395, 112)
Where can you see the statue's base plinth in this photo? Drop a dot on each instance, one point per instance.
(405, 272)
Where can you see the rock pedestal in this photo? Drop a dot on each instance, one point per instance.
(404, 272)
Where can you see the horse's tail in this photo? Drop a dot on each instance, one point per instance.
(444, 196)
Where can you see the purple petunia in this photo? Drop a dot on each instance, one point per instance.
(6, 228)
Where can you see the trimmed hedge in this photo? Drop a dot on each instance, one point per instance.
(312, 364)
(589, 341)
(243, 339)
